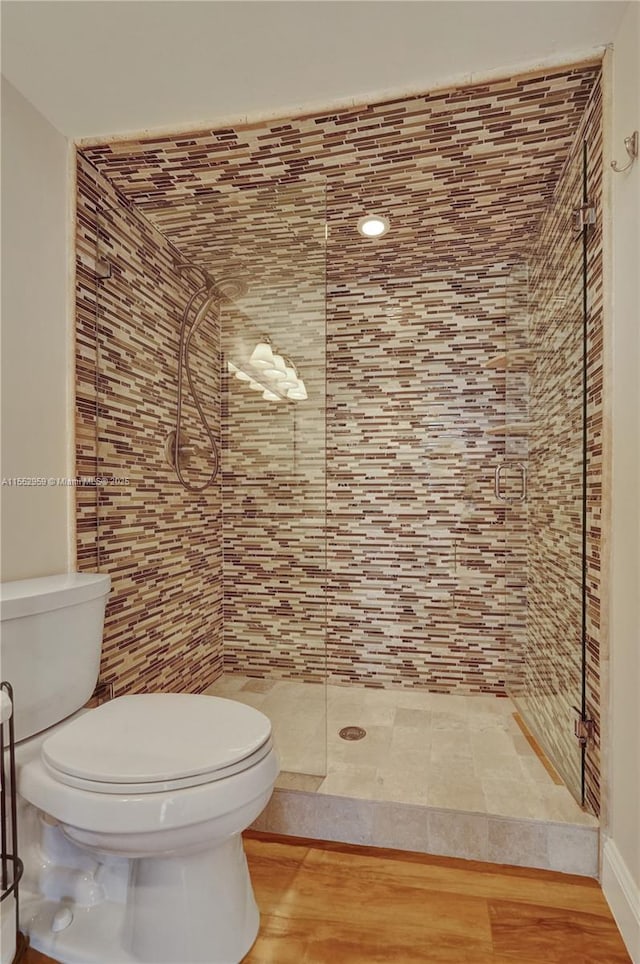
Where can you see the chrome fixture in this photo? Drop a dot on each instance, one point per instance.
(213, 292)
(631, 146)
(584, 217)
(584, 728)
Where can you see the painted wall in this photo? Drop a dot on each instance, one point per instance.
(195, 66)
(37, 339)
(621, 865)
(161, 544)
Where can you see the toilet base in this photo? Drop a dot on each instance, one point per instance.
(194, 908)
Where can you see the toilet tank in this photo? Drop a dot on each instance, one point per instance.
(50, 644)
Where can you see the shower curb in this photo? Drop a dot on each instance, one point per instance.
(569, 848)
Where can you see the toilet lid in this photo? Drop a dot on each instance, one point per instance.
(156, 741)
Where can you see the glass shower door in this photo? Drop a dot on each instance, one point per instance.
(543, 484)
(274, 468)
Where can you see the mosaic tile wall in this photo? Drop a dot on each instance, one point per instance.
(462, 173)
(418, 586)
(274, 483)
(552, 678)
(416, 538)
(161, 545)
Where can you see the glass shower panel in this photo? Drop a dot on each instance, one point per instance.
(461, 407)
(274, 467)
(511, 479)
(543, 481)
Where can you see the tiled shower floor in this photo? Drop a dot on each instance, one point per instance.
(451, 752)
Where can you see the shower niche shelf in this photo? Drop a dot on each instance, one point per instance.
(519, 359)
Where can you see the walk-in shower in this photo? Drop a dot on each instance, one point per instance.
(410, 547)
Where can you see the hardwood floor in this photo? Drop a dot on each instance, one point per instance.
(324, 903)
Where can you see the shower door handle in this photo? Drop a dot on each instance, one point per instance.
(522, 495)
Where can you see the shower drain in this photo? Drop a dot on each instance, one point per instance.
(352, 733)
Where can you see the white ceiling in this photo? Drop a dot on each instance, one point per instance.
(101, 67)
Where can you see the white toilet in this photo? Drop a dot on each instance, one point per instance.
(130, 814)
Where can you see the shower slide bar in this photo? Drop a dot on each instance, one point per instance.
(522, 495)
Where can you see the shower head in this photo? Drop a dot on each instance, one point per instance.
(212, 299)
(230, 287)
(225, 288)
(213, 294)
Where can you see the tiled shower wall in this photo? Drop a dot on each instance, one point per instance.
(552, 670)
(161, 545)
(416, 539)
(274, 485)
(415, 547)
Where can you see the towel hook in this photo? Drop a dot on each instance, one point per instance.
(631, 145)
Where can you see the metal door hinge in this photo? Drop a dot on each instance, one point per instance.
(584, 216)
(584, 729)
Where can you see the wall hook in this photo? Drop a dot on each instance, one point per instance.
(631, 145)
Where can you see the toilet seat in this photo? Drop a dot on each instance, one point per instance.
(152, 743)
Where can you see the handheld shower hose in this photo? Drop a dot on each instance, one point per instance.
(212, 297)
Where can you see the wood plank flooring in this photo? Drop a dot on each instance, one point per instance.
(325, 903)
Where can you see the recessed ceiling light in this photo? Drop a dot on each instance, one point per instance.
(373, 226)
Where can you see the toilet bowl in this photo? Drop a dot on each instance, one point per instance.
(168, 781)
(130, 813)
